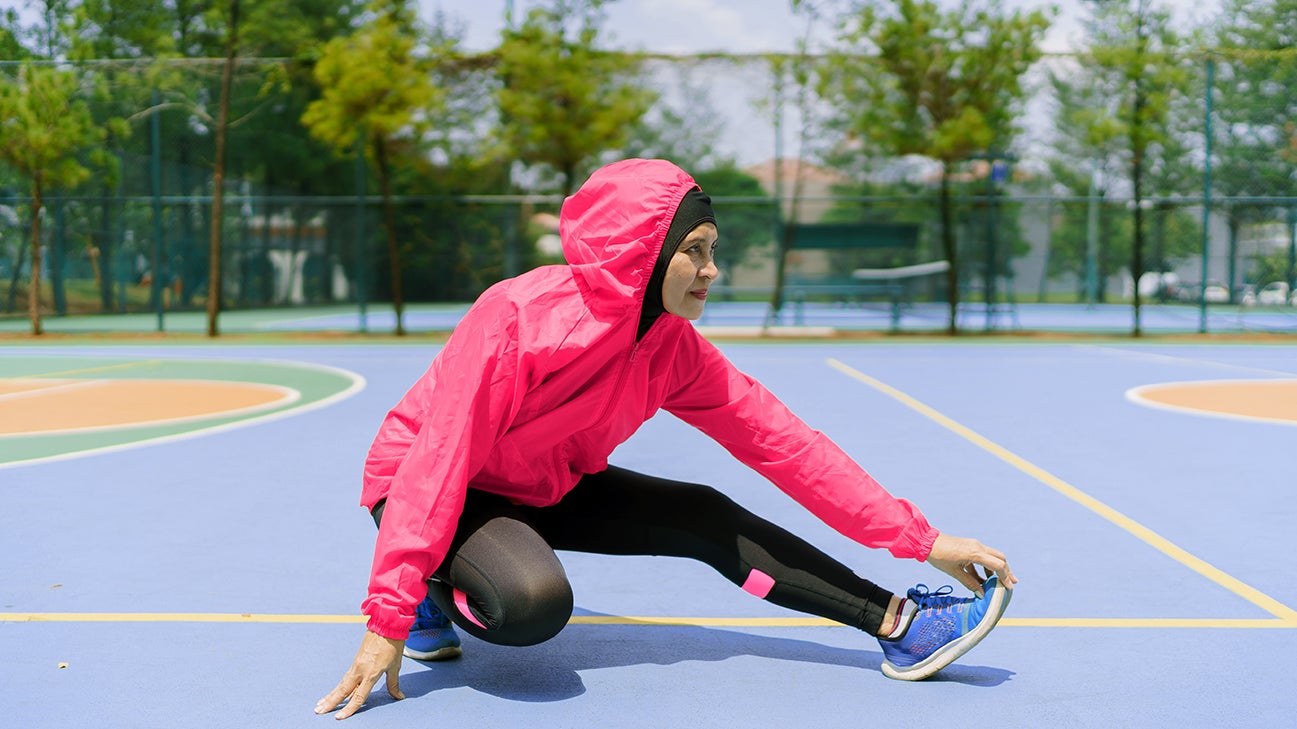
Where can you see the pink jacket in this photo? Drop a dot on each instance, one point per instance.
(543, 378)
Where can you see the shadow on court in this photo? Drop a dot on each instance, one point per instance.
(552, 671)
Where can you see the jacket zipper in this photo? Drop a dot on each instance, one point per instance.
(616, 391)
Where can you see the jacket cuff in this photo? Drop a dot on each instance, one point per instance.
(389, 623)
(916, 541)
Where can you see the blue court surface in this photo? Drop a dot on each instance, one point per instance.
(209, 573)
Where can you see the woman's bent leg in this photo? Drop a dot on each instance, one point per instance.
(501, 582)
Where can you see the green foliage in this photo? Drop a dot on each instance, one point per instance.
(1256, 141)
(1126, 122)
(373, 82)
(910, 78)
(11, 47)
(44, 124)
(120, 29)
(1137, 70)
(562, 100)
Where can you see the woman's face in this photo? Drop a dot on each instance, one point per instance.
(691, 271)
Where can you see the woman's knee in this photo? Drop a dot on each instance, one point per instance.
(507, 586)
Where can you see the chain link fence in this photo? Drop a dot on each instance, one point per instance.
(1039, 228)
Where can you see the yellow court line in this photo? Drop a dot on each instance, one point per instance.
(176, 618)
(1010, 622)
(722, 622)
(83, 370)
(1285, 614)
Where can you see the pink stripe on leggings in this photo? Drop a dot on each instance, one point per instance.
(759, 583)
(461, 602)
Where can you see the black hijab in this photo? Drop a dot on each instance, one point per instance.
(695, 209)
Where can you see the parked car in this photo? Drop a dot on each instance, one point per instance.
(1215, 293)
(1274, 294)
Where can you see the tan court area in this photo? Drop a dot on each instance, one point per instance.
(1270, 399)
(30, 405)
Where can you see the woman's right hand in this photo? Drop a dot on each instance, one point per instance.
(377, 656)
(960, 557)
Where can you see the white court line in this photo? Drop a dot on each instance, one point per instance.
(1177, 359)
(54, 386)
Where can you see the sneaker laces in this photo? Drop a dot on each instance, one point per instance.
(937, 601)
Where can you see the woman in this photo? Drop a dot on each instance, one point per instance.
(497, 457)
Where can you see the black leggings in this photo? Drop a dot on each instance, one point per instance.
(502, 582)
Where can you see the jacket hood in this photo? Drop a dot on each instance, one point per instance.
(612, 230)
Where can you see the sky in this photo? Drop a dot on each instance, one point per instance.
(735, 26)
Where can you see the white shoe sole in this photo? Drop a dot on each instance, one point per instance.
(441, 654)
(947, 654)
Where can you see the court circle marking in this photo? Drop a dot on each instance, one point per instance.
(324, 385)
(60, 407)
(1271, 401)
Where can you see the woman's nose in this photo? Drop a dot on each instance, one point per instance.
(710, 270)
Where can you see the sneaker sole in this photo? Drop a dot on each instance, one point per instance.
(441, 654)
(948, 653)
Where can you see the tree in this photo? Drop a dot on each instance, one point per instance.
(43, 125)
(130, 30)
(377, 94)
(562, 100)
(1255, 129)
(1092, 156)
(908, 78)
(11, 48)
(1137, 53)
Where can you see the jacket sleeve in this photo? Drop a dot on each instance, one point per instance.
(429, 447)
(711, 394)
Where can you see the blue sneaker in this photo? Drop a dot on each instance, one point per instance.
(943, 628)
(432, 637)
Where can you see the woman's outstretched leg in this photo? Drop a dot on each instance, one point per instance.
(623, 512)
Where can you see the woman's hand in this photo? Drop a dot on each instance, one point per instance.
(960, 557)
(377, 655)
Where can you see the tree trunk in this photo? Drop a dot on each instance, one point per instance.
(107, 252)
(1138, 147)
(948, 246)
(1137, 256)
(11, 301)
(1235, 222)
(389, 224)
(218, 175)
(34, 291)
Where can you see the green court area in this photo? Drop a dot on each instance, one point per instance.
(56, 406)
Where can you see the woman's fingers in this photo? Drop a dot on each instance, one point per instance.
(335, 697)
(960, 557)
(356, 700)
(377, 655)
